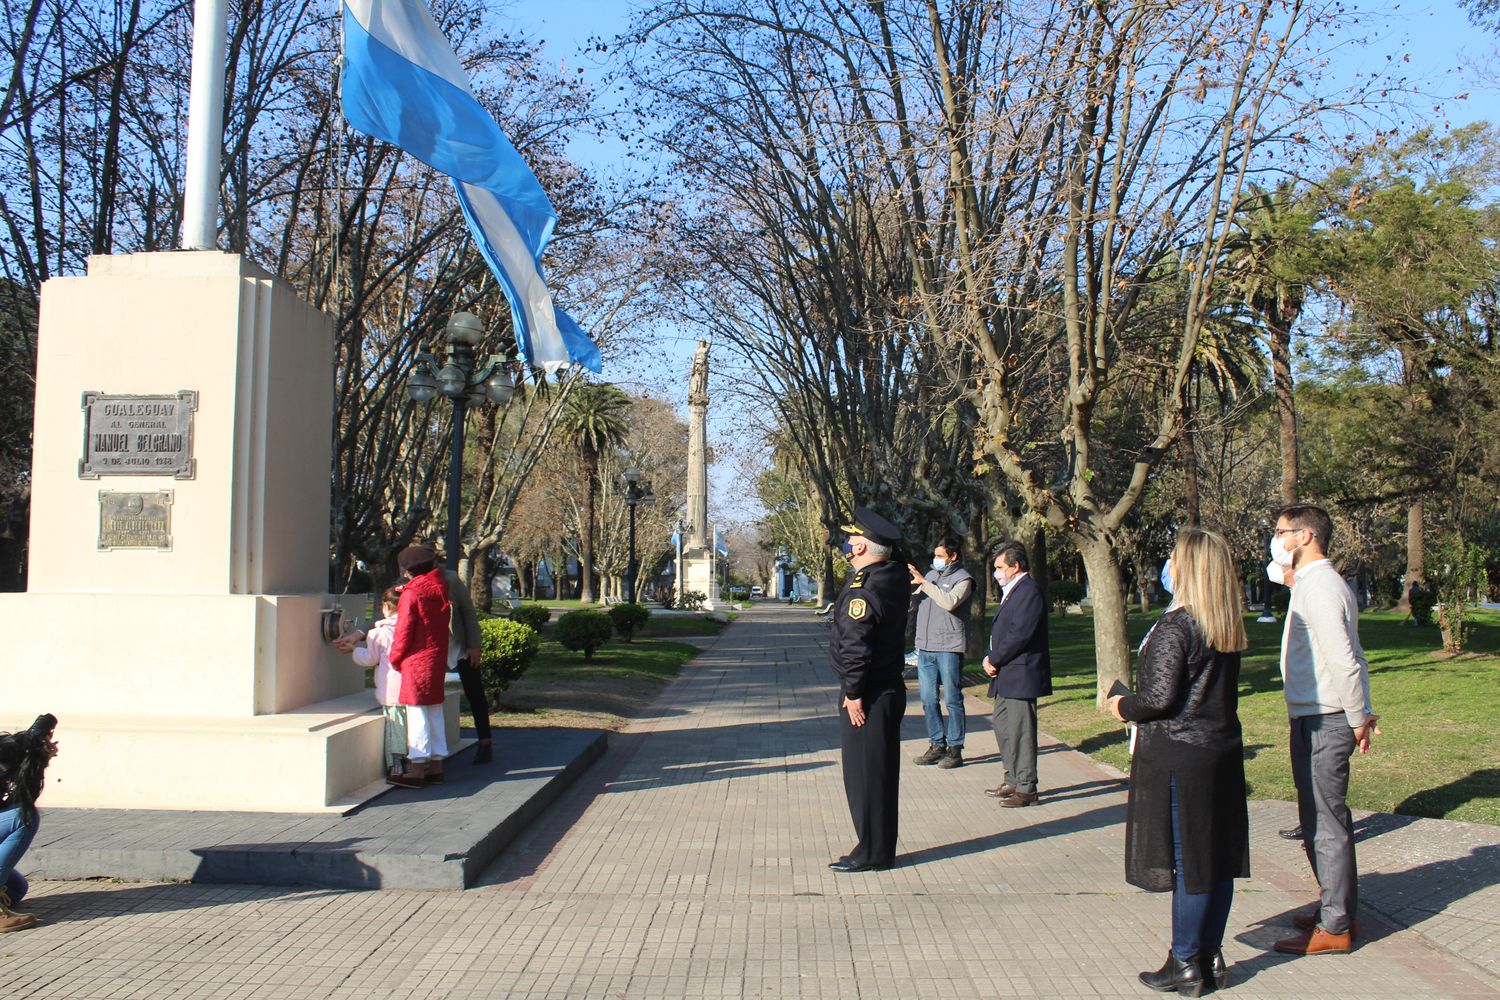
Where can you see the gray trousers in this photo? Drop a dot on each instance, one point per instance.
(1321, 746)
(1014, 720)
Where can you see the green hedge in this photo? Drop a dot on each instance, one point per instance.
(585, 629)
(506, 650)
(628, 618)
(535, 615)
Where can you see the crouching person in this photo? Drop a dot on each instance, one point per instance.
(419, 653)
(23, 763)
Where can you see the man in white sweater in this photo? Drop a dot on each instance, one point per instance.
(1327, 684)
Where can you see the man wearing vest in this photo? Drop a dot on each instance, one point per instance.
(944, 596)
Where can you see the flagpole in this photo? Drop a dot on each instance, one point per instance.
(200, 201)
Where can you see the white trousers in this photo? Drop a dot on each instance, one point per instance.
(426, 733)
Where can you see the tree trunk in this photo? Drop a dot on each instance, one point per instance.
(1189, 446)
(586, 543)
(825, 580)
(1111, 641)
(480, 590)
(1416, 555)
(1286, 408)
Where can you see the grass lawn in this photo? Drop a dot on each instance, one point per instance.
(561, 688)
(1439, 753)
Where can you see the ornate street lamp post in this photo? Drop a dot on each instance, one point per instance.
(458, 379)
(637, 492)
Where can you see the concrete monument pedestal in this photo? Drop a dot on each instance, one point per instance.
(179, 547)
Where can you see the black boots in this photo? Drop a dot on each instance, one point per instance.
(1184, 977)
(1215, 969)
(483, 753)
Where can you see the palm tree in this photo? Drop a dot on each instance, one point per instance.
(1272, 258)
(594, 421)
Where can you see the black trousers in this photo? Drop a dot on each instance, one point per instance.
(474, 691)
(872, 774)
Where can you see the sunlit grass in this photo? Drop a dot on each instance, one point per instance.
(1439, 752)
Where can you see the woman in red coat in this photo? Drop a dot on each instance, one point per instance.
(419, 653)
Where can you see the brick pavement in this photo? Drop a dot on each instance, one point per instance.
(690, 863)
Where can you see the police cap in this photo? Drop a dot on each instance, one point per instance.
(868, 524)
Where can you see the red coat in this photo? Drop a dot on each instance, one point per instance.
(419, 650)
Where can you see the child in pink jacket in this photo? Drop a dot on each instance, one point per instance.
(376, 652)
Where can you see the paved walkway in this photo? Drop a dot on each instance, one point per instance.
(690, 863)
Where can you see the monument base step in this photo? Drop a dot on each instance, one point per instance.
(321, 758)
(438, 837)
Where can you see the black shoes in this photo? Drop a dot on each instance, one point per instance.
(1215, 969)
(1295, 833)
(952, 757)
(844, 866)
(1184, 977)
(483, 754)
(933, 754)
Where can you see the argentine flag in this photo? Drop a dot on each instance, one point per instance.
(402, 82)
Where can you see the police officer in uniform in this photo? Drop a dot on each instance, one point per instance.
(867, 652)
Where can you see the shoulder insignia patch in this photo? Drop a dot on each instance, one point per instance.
(858, 608)
(858, 581)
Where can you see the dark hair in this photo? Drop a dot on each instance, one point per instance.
(1014, 554)
(23, 762)
(955, 549)
(392, 595)
(1309, 517)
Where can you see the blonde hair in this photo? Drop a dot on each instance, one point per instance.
(1206, 583)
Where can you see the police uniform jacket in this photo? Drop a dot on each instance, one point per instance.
(868, 646)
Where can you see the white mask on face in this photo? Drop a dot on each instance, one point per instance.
(1275, 573)
(1000, 577)
(1280, 554)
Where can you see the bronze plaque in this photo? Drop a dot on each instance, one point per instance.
(138, 435)
(135, 520)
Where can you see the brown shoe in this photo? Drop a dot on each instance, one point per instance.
(412, 776)
(1316, 942)
(13, 921)
(434, 775)
(1001, 791)
(1019, 799)
(1308, 921)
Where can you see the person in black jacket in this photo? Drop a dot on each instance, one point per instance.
(867, 649)
(1019, 664)
(23, 764)
(1187, 827)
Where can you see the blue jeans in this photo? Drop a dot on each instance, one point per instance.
(15, 837)
(947, 669)
(1198, 918)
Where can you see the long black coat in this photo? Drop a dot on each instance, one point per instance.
(1018, 644)
(1187, 707)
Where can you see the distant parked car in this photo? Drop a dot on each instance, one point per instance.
(757, 592)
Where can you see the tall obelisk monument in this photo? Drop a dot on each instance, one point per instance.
(698, 554)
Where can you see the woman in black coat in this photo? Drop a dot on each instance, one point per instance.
(1187, 827)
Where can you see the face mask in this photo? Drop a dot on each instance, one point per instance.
(939, 564)
(1000, 577)
(1279, 553)
(1275, 574)
(847, 550)
(1166, 577)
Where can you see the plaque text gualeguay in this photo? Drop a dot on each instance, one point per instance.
(138, 435)
(135, 520)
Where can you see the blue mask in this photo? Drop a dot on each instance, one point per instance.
(846, 549)
(940, 564)
(1167, 583)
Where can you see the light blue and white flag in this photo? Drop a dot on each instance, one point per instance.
(720, 546)
(402, 82)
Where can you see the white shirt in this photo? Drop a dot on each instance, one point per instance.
(1323, 666)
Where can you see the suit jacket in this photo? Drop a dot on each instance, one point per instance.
(1018, 644)
(867, 646)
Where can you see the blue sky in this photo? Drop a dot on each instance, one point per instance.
(1431, 43)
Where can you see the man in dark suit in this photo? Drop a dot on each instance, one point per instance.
(1020, 669)
(867, 650)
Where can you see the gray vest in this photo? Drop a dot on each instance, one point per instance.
(940, 631)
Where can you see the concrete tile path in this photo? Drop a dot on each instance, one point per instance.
(690, 863)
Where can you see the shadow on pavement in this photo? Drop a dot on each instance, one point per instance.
(97, 904)
(1091, 820)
